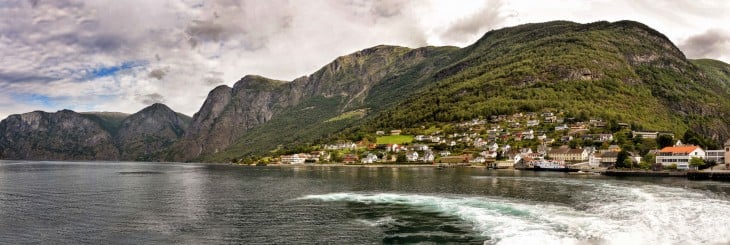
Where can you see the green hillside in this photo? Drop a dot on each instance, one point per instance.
(621, 72)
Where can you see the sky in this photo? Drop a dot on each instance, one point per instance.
(107, 55)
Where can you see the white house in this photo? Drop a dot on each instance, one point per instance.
(679, 155)
(718, 156)
(479, 160)
(528, 135)
(479, 142)
(489, 154)
(428, 156)
(420, 147)
(370, 158)
(494, 146)
(393, 148)
(506, 148)
(412, 156)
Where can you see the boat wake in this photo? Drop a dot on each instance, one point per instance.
(614, 214)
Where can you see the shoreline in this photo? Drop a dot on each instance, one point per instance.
(355, 165)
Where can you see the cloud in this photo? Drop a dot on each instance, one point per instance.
(152, 98)
(476, 24)
(388, 8)
(712, 43)
(158, 74)
(213, 81)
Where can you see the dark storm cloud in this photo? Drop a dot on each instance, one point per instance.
(710, 44)
(152, 98)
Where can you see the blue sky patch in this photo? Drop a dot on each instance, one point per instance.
(104, 71)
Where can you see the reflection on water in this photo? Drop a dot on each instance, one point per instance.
(97, 202)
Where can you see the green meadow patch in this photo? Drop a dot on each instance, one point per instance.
(394, 139)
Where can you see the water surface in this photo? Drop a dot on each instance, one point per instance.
(121, 202)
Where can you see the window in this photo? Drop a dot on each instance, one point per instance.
(727, 149)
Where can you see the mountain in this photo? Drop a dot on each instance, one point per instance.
(67, 135)
(258, 113)
(145, 134)
(619, 71)
(64, 135)
(622, 71)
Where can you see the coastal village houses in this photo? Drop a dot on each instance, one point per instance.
(679, 155)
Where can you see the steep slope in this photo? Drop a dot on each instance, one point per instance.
(143, 135)
(64, 135)
(621, 71)
(342, 86)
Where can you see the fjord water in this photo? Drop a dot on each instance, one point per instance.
(165, 203)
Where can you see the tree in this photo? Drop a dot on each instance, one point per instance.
(696, 162)
(573, 144)
(621, 159)
(629, 162)
(649, 158)
(664, 140)
(401, 157)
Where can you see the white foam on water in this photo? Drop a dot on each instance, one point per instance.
(616, 214)
(384, 221)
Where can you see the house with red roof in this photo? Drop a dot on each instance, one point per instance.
(679, 155)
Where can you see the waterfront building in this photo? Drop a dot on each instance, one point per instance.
(727, 153)
(293, 159)
(679, 155)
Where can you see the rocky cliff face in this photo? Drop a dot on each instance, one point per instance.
(64, 135)
(228, 112)
(143, 135)
(67, 135)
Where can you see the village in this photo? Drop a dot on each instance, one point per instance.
(520, 141)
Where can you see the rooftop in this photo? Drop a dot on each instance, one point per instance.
(686, 149)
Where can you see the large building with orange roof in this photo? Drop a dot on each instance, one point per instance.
(679, 155)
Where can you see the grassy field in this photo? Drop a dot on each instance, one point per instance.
(394, 139)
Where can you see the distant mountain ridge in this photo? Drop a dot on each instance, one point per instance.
(68, 135)
(623, 71)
